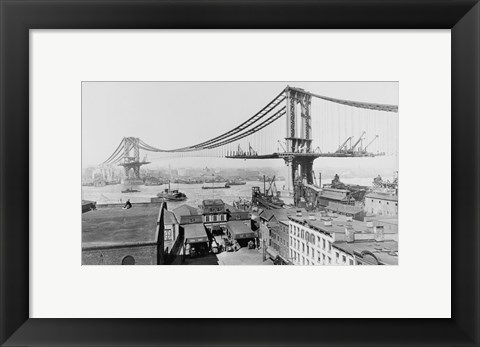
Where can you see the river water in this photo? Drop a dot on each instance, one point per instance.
(113, 193)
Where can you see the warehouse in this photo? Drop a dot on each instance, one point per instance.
(196, 239)
(241, 231)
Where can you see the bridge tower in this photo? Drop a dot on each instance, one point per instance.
(299, 155)
(131, 158)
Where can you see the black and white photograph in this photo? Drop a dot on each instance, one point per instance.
(240, 173)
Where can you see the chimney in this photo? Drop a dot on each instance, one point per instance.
(349, 234)
(370, 224)
(328, 223)
(299, 213)
(311, 217)
(349, 218)
(378, 234)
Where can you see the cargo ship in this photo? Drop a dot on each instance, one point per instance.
(269, 198)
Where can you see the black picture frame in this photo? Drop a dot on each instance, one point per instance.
(18, 16)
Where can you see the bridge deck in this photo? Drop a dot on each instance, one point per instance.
(305, 155)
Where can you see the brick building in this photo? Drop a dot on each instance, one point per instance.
(135, 236)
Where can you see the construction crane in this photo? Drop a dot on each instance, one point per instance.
(251, 151)
(341, 148)
(352, 149)
(272, 187)
(365, 149)
(239, 150)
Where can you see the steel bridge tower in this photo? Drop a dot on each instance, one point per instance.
(132, 160)
(299, 155)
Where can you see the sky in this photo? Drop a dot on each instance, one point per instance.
(177, 114)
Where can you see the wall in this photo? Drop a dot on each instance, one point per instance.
(381, 207)
(307, 250)
(144, 254)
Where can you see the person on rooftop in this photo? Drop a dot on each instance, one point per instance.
(128, 205)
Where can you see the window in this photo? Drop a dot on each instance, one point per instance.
(350, 261)
(344, 258)
(323, 243)
(128, 260)
(168, 236)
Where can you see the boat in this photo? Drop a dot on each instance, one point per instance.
(236, 183)
(269, 198)
(216, 185)
(130, 190)
(172, 194)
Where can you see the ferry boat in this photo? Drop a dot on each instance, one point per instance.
(172, 194)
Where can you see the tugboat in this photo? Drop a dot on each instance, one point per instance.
(172, 195)
(130, 190)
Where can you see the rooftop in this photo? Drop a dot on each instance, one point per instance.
(338, 224)
(241, 228)
(211, 202)
(342, 208)
(382, 196)
(114, 226)
(195, 232)
(384, 219)
(281, 214)
(386, 252)
(232, 208)
(169, 218)
(335, 194)
(186, 210)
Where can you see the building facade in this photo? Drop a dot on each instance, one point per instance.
(309, 244)
(318, 239)
(381, 204)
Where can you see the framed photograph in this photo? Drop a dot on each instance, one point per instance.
(323, 154)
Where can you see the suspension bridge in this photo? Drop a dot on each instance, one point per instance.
(297, 126)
